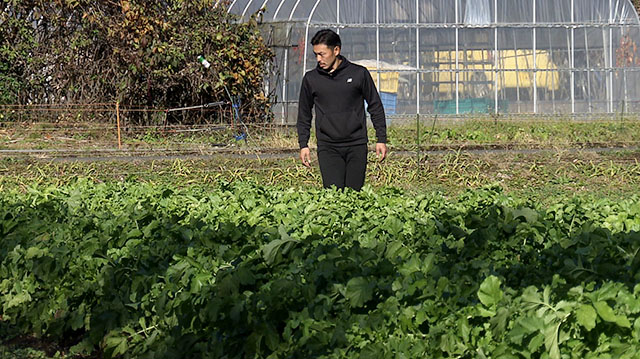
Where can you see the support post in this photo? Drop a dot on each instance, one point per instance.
(418, 137)
(118, 121)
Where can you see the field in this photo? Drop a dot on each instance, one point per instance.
(429, 134)
(480, 240)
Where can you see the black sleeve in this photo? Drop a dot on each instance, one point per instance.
(304, 113)
(374, 107)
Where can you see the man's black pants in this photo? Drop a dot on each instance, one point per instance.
(343, 166)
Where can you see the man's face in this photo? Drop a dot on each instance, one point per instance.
(325, 55)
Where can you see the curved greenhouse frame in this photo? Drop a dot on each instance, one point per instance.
(463, 56)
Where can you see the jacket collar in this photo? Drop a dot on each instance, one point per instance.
(343, 64)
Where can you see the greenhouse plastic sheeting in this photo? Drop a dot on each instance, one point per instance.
(512, 56)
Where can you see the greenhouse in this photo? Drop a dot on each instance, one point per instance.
(464, 56)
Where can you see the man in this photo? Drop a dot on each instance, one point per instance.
(338, 88)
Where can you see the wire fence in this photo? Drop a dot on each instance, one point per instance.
(105, 129)
(106, 123)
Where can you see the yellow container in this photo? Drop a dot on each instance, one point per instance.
(522, 60)
(388, 79)
(477, 67)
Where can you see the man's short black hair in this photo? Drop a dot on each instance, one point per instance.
(326, 37)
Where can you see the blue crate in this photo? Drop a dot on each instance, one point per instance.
(389, 101)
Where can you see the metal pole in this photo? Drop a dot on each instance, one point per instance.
(306, 31)
(246, 8)
(264, 4)
(572, 59)
(610, 56)
(516, 56)
(275, 14)
(535, 63)
(553, 78)
(231, 6)
(457, 61)
(418, 57)
(624, 78)
(118, 120)
(306, 34)
(338, 15)
(607, 61)
(293, 10)
(586, 49)
(285, 76)
(418, 137)
(418, 78)
(378, 42)
(285, 103)
(495, 55)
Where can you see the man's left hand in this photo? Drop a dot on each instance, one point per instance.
(381, 151)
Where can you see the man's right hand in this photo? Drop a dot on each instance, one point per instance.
(305, 156)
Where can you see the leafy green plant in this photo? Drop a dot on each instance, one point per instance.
(242, 270)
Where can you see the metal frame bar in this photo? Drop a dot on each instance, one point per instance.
(378, 42)
(607, 64)
(233, 3)
(285, 80)
(244, 12)
(586, 46)
(264, 4)
(535, 62)
(293, 10)
(624, 80)
(457, 68)
(572, 58)
(306, 35)
(610, 57)
(418, 58)
(411, 70)
(495, 57)
(408, 25)
(278, 10)
(338, 15)
(517, 75)
(553, 82)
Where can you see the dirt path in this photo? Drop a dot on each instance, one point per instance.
(110, 155)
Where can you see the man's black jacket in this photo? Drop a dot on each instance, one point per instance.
(339, 102)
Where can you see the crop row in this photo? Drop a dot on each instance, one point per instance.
(136, 271)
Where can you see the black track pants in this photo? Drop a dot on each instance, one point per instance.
(343, 166)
